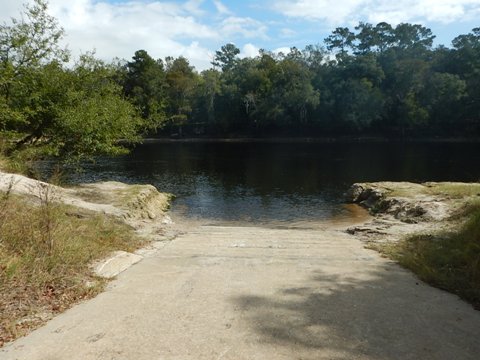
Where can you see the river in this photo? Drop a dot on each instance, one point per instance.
(279, 183)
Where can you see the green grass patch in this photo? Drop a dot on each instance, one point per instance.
(45, 253)
(456, 190)
(449, 189)
(448, 260)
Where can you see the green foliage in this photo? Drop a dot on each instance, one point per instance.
(144, 83)
(95, 118)
(373, 79)
(340, 41)
(33, 40)
(413, 36)
(53, 109)
(181, 82)
(377, 79)
(225, 58)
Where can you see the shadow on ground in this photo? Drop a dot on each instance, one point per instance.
(382, 314)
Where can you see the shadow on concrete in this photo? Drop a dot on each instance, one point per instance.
(386, 314)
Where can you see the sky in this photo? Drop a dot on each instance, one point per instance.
(195, 29)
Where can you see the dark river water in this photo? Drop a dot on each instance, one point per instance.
(280, 183)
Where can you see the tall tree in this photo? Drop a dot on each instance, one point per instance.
(226, 57)
(385, 36)
(466, 64)
(208, 90)
(413, 37)
(181, 80)
(145, 84)
(340, 41)
(443, 96)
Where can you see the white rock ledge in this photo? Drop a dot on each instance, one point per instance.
(118, 262)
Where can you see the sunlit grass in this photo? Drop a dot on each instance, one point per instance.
(454, 189)
(449, 189)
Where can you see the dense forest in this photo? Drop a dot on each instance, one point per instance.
(373, 80)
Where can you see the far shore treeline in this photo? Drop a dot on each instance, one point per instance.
(373, 80)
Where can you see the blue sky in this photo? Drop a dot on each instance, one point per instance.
(196, 28)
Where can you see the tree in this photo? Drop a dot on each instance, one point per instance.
(25, 46)
(33, 40)
(356, 99)
(413, 36)
(403, 85)
(384, 34)
(208, 90)
(145, 84)
(181, 80)
(376, 38)
(314, 56)
(225, 58)
(465, 60)
(367, 38)
(341, 40)
(94, 116)
(50, 109)
(443, 97)
(298, 95)
(358, 104)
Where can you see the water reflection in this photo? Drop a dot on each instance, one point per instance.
(281, 183)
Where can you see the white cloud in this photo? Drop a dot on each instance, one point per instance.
(199, 56)
(161, 27)
(119, 29)
(337, 12)
(246, 27)
(287, 33)
(444, 11)
(250, 50)
(284, 50)
(221, 8)
(194, 7)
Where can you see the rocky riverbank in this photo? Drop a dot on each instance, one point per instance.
(402, 208)
(142, 207)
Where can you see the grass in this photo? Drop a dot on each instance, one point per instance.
(449, 189)
(449, 260)
(455, 190)
(45, 252)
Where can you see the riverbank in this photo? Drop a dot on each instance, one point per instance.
(59, 245)
(433, 229)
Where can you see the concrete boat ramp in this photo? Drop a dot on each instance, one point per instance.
(230, 292)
